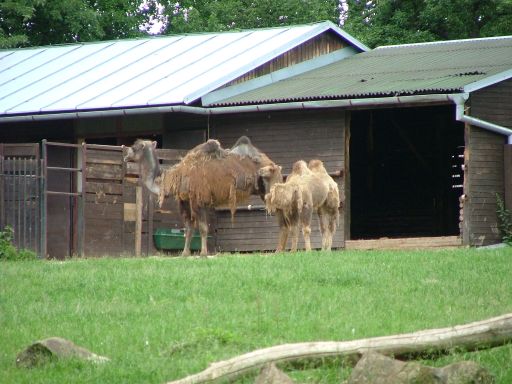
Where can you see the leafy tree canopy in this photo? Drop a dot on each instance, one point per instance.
(42, 22)
(384, 22)
(374, 22)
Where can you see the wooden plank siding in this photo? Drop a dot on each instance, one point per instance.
(104, 206)
(493, 104)
(325, 43)
(285, 137)
(485, 164)
(483, 178)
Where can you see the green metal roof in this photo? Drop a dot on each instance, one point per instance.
(412, 69)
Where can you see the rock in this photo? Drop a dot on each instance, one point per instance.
(52, 348)
(466, 372)
(374, 368)
(270, 374)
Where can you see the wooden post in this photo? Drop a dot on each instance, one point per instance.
(508, 176)
(138, 220)
(149, 237)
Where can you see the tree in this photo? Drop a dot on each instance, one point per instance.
(42, 22)
(375, 22)
(384, 22)
(221, 15)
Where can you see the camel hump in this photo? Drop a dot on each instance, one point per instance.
(244, 148)
(317, 165)
(300, 168)
(211, 149)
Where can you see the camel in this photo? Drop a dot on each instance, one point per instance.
(307, 189)
(207, 177)
(143, 153)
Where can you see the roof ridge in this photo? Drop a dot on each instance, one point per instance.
(441, 42)
(172, 35)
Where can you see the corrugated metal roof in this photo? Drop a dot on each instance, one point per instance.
(141, 72)
(439, 67)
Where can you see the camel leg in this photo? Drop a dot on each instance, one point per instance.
(323, 218)
(305, 218)
(306, 233)
(332, 230)
(295, 236)
(184, 207)
(203, 230)
(189, 231)
(283, 232)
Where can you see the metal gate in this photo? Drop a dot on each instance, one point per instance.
(21, 171)
(73, 196)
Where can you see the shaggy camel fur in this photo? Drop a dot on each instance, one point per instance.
(306, 190)
(210, 176)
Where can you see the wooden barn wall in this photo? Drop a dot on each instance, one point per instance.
(104, 208)
(325, 43)
(485, 164)
(493, 104)
(285, 137)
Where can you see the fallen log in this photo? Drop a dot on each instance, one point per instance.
(481, 334)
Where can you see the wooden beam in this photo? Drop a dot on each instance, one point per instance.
(482, 334)
(406, 243)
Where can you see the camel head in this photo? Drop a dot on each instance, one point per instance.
(143, 153)
(267, 177)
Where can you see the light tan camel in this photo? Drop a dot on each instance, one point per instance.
(210, 176)
(306, 190)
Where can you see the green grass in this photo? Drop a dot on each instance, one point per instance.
(160, 319)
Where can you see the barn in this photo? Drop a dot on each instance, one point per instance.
(421, 132)
(66, 110)
(417, 136)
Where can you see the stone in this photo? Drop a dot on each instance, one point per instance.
(466, 372)
(270, 374)
(374, 368)
(53, 348)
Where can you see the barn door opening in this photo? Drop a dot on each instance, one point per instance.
(405, 172)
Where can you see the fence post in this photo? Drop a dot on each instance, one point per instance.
(138, 220)
(43, 210)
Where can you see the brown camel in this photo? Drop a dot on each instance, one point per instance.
(210, 176)
(306, 190)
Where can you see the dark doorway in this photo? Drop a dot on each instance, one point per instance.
(405, 172)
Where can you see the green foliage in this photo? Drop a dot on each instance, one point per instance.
(160, 319)
(8, 251)
(44, 22)
(222, 15)
(504, 220)
(387, 22)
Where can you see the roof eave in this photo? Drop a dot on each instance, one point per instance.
(488, 81)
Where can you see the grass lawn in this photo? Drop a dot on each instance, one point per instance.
(159, 319)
